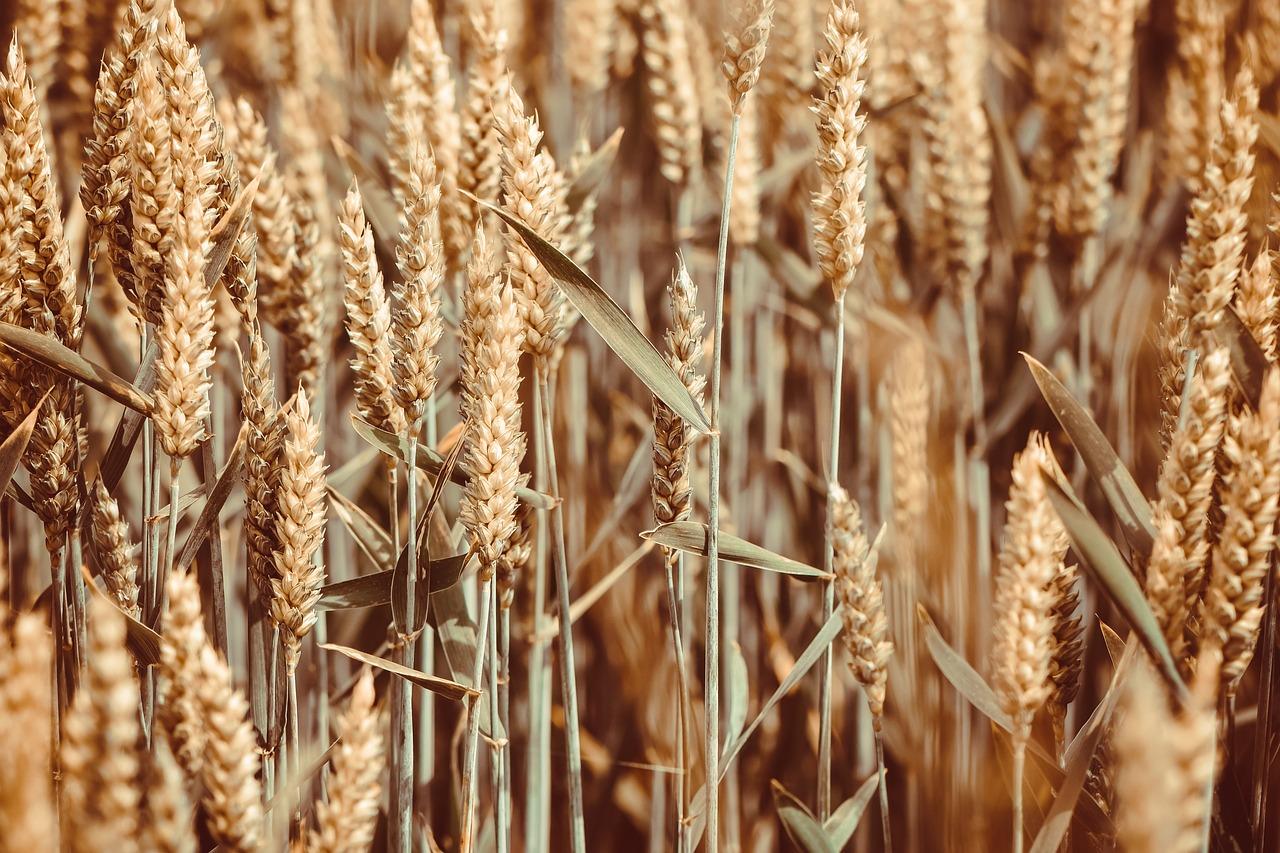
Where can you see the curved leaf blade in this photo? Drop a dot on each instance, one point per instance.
(1118, 486)
(428, 460)
(55, 356)
(1104, 562)
(16, 444)
(440, 686)
(845, 819)
(610, 322)
(691, 537)
(374, 590)
(1249, 364)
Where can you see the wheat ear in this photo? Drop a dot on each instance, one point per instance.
(346, 821)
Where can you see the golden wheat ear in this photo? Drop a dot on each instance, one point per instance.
(347, 819)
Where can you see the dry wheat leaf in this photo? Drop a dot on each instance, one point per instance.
(422, 539)
(1118, 486)
(116, 458)
(1115, 645)
(816, 648)
(55, 356)
(431, 462)
(691, 537)
(1249, 364)
(440, 686)
(222, 239)
(369, 536)
(611, 323)
(207, 521)
(592, 172)
(374, 590)
(735, 710)
(800, 824)
(142, 641)
(378, 203)
(845, 819)
(16, 444)
(1100, 555)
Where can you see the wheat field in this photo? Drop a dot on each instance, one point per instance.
(639, 425)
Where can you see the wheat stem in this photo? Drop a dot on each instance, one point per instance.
(537, 777)
(568, 675)
(884, 793)
(471, 749)
(500, 806)
(829, 590)
(171, 556)
(682, 682)
(712, 735)
(1019, 764)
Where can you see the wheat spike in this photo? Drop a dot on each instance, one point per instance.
(116, 552)
(422, 109)
(368, 319)
(416, 323)
(1146, 781)
(299, 528)
(909, 413)
(232, 797)
(479, 164)
(1202, 59)
(959, 142)
(670, 89)
(346, 821)
(533, 191)
(1066, 666)
(100, 761)
(1106, 35)
(37, 28)
(839, 212)
(1257, 303)
(866, 625)
(516, 556)
(27, 819)
(208, 719)
(1216, 226)
(744, 51)
(1185, 494)
(262, 460)
(491, 335)
(153, 204)
(273, 214)
(179, 711)
(307, 305)
(166, 826)
(591, 26)
(1231, 614)
(1031, 552)
(184, 336)
(670, 488)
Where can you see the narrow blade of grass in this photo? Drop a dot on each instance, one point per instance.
(1118, 486)
(374, 590)
(55, 356)
(1109, 569)
(16, 444)
(691, 537)
(1249, 364)
(207, 522)
(440, 686)
(431, 462)
(845, 819)
(611, 323)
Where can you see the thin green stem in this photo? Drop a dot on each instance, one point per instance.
(568, 675)
(500, 806)
(537, 774)
(170, 553)
(403, 770)
(472, 746)
(672, 560)
(1019, 763)
(828, 557)
(712, 735)
(884, 793)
